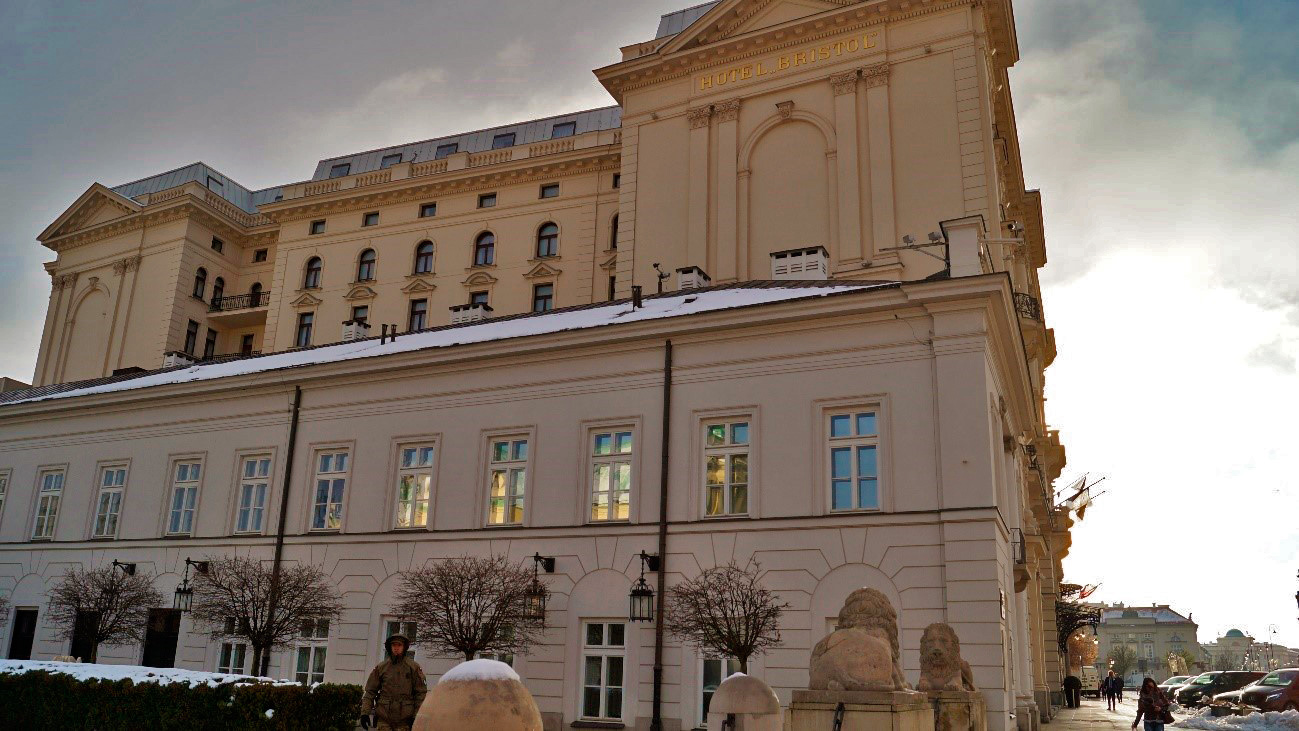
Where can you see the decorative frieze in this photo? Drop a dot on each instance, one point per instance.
(699, 116)
(727, 111)
(844, 83)
(877, 75)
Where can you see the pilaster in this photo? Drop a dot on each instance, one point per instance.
(883, 223)
(700, 119)
(848, 165)
(127, 270)
(728, 113)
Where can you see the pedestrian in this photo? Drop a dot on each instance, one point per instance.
(1152, 704)
(1111, 686)
(395, 689)
(1072, 691)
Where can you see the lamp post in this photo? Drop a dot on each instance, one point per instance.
(184, 598)
(534, 600)
(127, 568)
(642, 596)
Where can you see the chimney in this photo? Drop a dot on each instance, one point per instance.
(636, 302)
(692, 278)
(355, 330)
(811, 263)
(173, 358)
(471, 312)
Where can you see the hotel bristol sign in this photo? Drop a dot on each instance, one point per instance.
(805, 56)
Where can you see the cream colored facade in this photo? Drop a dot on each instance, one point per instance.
(758, 127)
(1152, 633)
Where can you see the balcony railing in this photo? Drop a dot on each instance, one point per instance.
(1028, 306)
(240, 302)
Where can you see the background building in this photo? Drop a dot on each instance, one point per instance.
(1152, 633)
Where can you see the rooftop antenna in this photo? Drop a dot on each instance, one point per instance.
(662, 275)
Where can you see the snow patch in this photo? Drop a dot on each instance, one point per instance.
(136, 673)
(480, 670)
(1270, 721)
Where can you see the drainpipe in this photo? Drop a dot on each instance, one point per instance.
(284, 515)
(656, 720)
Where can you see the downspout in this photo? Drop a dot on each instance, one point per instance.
(284, 515)
(656, 720)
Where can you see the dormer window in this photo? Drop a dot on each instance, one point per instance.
(563, 129)
(389, 160)
(445, 151)
(340, 170)
(503, 140)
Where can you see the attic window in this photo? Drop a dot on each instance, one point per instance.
(563, 129)
(218, 245)
(503, 140)
(445, 151)
(389, 160)
(340, 170)
(214, 184)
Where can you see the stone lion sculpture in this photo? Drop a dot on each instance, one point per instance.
(941, 666)
(862, 653)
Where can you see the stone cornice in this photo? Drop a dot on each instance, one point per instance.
(174, 209)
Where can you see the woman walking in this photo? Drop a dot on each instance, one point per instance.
(1152, 704)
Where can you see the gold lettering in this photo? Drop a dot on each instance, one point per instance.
(823, 52)
(838, 48)
(852, 45)
(720, 79)
(705, 83)
(762, 71)
(732, 73)
(800, 58)
(782, 63)
(870, 40)
(746, 72)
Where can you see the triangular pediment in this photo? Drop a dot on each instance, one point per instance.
(731, 18)
(360, 292)
(542, 269)
(418, 285)
(610, 264)
(479, 278)
(306, 299)
(97, 205)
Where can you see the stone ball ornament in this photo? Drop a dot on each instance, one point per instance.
(478, 695)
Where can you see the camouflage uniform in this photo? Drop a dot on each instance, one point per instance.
(395, 690)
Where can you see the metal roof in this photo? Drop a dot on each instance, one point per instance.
(675, 22)
(1159, 614)
(525, 133)
(224, 186)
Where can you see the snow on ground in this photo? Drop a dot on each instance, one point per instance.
(1271, 721)
(165, 676)
(480, 670)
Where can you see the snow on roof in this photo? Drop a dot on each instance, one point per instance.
(136, 673)
(480, 670)
(657, 307)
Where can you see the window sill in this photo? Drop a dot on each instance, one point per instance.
(101, 539)
(504, 526)
(175, 536)
(324, 531)
(412, 529)
(196, 297)
(597, 724)
(854, 511)
(476, 267)
(728, 516)
(540, 259)
(42, 539)
(416, 275)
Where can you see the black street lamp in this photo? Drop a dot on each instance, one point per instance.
(127, 568)
(184, 598)
(534, 600)
(642, 596)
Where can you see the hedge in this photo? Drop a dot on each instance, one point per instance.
(41, 700)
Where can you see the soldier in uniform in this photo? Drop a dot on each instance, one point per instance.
(395, 689)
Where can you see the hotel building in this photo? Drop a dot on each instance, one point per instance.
(843, 373)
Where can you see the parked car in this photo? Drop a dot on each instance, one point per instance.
(1207, 685)
(1279, 691)
(1171, 685)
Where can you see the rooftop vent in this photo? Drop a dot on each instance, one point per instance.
(174, 358)
(355, 330)
(809, 263)
(472, 312)
(692, 278)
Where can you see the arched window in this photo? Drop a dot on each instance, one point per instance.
(484, 249)
(218, 290)
(613, 232)
(200, 283)
(365, 266)
(311, 278)
(547, 240)
(255, 294)
(424, 257)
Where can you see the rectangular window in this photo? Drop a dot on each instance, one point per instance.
(428, 210)
(259, 255)
(487, 200)
(341, 169)
(503, 140)
(214, 184)
(445, 151)
(414, 479)
(370, 219)
(611, 475)
(218, 245)
(563, 129)
(318, 227)
(397, 627)
(477, 298)
(613, 285)
(4, 491)
(246, 344)
(509, 481)
(112, 481)
(184, 497)
(311, 664)
(191, 337)
(715, 671)
(418, 315)
(602, 670)
(331, 481)
(254, 480)
(617, 180)
(726, 468)
(233, 660)
(360, 313)
(47, 504)
(209, 344)
(550, 190)
(854, 461)
(303, 337)
(543, 297)
(389, 160)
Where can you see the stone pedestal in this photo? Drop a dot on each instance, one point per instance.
(486, 704)
(864, 710)
(959, 710)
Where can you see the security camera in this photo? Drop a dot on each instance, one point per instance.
(935, 237)
(908, 239)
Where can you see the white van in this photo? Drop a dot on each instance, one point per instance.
(1091, 682)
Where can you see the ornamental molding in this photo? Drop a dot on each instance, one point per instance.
(129, 264)
(611, 263)
(63, 281)
(306, 299)
(727, 111)
(844, 83)
(168, 212)
(479, 278)
(418, 285)
(785, 109)
(699, 116)
(542, 269)
(360, 292)
(877, 75)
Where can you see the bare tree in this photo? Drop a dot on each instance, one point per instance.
(233, 599)
(725, 611)
(1226, 661)
(469, 605)
(1189, 661)
(102, 606)
(1122, 659)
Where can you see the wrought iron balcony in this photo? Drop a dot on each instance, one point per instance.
(1028, 306)
(241, 302)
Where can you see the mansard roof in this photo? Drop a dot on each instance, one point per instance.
(221, 184)
(675, 22)
(1159, 613)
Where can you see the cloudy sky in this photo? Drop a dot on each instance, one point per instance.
(1164, 135)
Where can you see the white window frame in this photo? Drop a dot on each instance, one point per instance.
(604, 651)
(6, 476)
(510, 495)
(104, 499)
(176, 513)
(611, 461)
(227, 650)
(337, 478)
(727, 451)
(49, 496)
(248, 485)
(854, 443)
(313, 642)
(390, 626)
(420, 469)
(704, 692)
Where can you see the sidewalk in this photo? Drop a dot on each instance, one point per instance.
(1093, 715)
